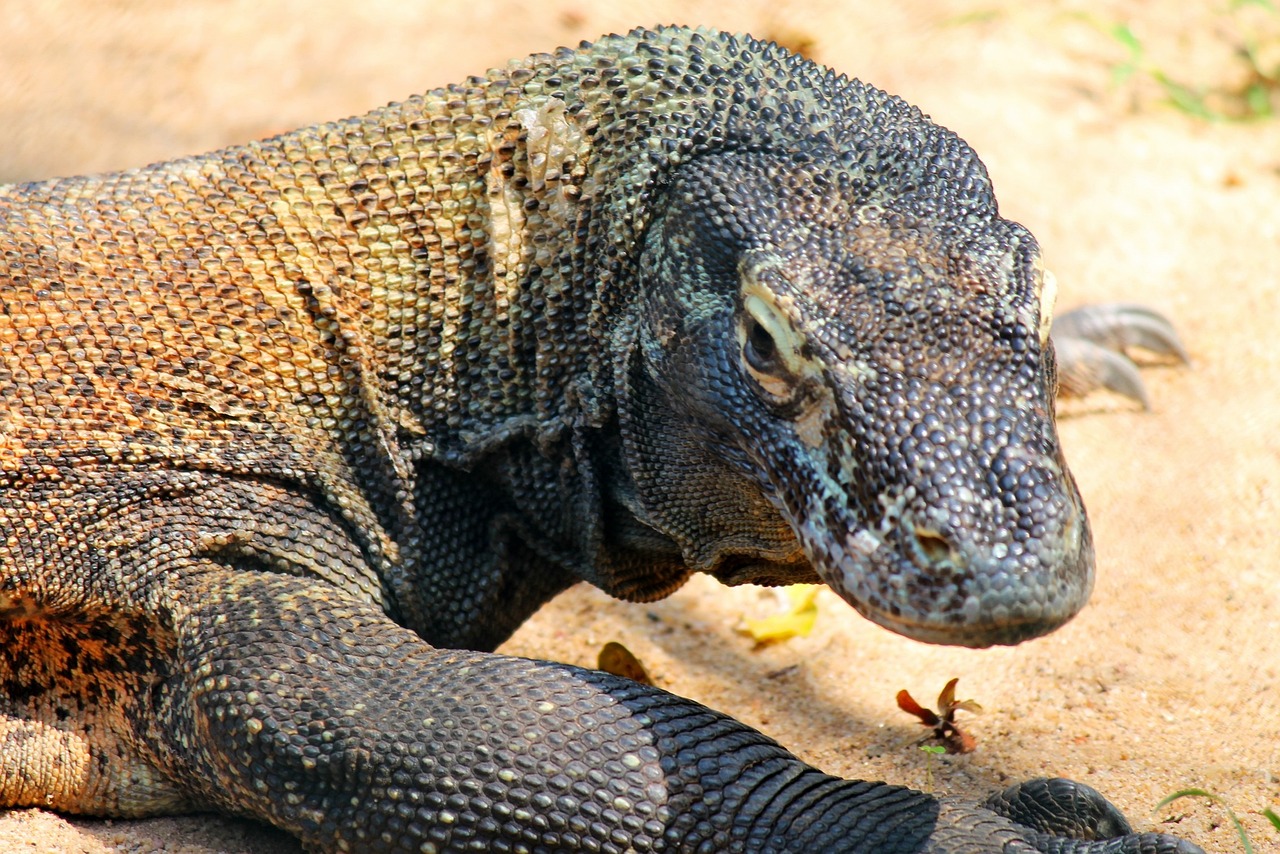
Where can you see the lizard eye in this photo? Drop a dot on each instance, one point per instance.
(759, 349)
(770, 351)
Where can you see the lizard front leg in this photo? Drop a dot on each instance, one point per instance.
(366, 738)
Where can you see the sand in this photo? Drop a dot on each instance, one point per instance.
(1168, 679)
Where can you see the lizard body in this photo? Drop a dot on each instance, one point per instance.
(294, 433)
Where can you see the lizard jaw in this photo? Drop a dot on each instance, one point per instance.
(970, 596)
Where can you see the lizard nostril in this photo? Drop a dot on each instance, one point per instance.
(932, 544)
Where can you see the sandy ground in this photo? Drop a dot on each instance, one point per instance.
(1167, 680)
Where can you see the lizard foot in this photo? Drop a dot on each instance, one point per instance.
(1065, 810)
(1092, 343)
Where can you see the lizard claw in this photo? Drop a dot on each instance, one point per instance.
(1092, 343)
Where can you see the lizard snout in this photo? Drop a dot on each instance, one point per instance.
(920, 577)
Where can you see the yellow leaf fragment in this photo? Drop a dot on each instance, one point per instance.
(798, 620)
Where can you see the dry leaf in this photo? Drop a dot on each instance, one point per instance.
(617, 659)
(943, 722)
(798, 620)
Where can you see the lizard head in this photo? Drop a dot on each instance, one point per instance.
(829, 379)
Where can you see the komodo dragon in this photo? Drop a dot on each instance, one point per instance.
(293, 434)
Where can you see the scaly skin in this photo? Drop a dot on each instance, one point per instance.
(288, 426)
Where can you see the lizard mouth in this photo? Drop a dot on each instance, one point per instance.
(947, 520)
(929, 587)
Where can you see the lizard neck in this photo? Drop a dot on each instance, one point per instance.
(442, 267)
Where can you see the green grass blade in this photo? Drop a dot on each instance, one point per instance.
(1124, 34)
(1185, 98)
(1257, 99)
(1201, 793)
